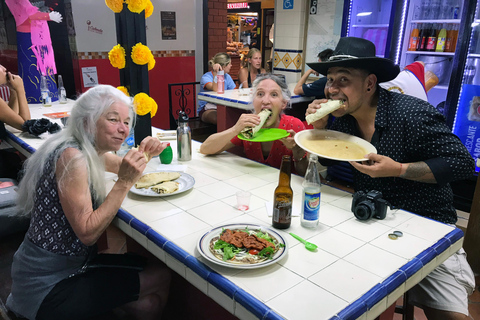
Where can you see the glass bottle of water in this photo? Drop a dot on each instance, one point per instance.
(311, 195)
(62, 94)
(46, 99)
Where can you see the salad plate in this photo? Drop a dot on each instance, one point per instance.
(206, 247)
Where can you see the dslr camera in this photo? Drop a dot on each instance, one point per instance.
(368, 205)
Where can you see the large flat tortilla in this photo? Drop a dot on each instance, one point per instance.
(249, 132)
(325, 108)
(151, 179)
(166, 187)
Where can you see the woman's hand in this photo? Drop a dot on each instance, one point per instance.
(312, 108)
(216, 67)
(378, 166)
(246, 120)
(15, 82)
(152, 146)
(289, 142)
(132, 166)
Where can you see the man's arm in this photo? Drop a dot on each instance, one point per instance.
(298, 87)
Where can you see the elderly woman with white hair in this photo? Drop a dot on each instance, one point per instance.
(64, 192)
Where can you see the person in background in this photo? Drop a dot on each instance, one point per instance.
(316, 88)
(410, 80)
(14, 113)
(65, 194)
(417, 157)
(269, 92)
(221, 61)
(251, 67)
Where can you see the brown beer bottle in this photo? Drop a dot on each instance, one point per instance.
(282, 199)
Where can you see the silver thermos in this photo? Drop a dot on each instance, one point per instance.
(184, 138)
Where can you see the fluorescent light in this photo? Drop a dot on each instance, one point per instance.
(363, 14)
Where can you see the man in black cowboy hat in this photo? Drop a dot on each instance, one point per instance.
(417, 158)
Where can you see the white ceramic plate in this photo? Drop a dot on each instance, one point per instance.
(316, 135)
(204, 243)
(186, 182)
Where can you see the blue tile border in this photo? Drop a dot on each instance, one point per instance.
(411, 267)
(256, 307)
(454, 235)
(222, 284)
(287, 70)
(175, 251)
(374, 295)
(353, 311)
(289, 50)
(441, 245)
(156, 238)
(125, 216)
(198, 267)
(139, 226)
(20, 142)
(394, 281)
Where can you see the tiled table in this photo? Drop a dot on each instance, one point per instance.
(356, 273)
(232, 103)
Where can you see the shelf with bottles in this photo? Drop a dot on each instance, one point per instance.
(431, 53)
(473, 55)
(432, 38)
(370, 25)
(455, 21)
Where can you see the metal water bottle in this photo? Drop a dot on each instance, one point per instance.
(184, 138)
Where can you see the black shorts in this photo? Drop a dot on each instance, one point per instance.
(90, 294)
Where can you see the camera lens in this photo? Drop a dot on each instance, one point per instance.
(364, 210)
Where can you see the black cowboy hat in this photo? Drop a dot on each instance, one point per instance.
(358, 53)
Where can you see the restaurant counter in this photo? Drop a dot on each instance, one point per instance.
(357, 271)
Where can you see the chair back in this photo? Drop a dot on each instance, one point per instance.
(182, 97)
(4, 92)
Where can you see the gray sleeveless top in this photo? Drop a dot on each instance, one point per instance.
(50, 251)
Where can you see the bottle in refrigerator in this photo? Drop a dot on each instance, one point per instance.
(432, 39)
(427, 10)
(412, 46)
(423, 35)
(311, 195)
(436, 4)
(442, 36)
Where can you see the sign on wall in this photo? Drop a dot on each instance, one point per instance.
(287, 4)
(313, 6)
(90, 77)
(169, 25)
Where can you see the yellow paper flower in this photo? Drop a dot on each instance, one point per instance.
(141, 54)
(143, 104)
(117, 57)
(136, 6)
(124, 90)
(148, 9)
(151, 63)
(115, 5)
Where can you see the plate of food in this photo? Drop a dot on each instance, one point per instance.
(266, 134)
(334, 145)
(242, 246)
(167, 135)
(163, 183)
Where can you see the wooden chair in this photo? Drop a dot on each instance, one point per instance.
(183, 97)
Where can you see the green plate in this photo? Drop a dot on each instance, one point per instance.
(264, 135)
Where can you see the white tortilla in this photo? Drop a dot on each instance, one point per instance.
(166, 187)
(145, 154)
(325, 108)
(249, 132)
(154, 178)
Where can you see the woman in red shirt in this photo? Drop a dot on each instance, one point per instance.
(269, 92)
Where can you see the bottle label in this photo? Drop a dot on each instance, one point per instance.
(440, 44)
(431, 43)
(413, 44)
(282, 212)
(311, 206)
(130, 141)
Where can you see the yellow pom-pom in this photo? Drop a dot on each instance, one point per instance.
(148, 9)
(136, 6)
(117, 57)
(141, 54)
(124, 90)
(142, 104)
(115, 5)
(151, 63)
(154, 107)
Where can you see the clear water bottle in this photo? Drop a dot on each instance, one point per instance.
(427, 10)
(436, 4)
(127, 144)
(62, 93)
(46, 98)
(184, 138)
(311, 195)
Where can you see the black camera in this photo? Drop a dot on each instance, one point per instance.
(368, 205)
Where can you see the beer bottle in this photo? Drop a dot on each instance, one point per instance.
(282, 199)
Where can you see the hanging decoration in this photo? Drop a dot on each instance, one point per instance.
(115, 5)
(143, 104)
(149, 9)
(124, 90)
(141, 54)
(137, 6)
(117, 57)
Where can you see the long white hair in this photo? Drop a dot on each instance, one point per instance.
(81, 129)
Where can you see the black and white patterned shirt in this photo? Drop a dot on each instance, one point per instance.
(408, 130)
(49, 227)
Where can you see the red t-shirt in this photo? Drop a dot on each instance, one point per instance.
(253, 150)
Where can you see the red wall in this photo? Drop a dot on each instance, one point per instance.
(167, 70)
